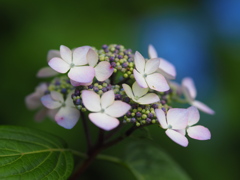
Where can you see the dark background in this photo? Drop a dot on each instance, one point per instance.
(202, 38)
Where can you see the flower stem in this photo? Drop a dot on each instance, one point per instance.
(87, 133)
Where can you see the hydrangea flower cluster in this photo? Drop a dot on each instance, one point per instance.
(115, 86)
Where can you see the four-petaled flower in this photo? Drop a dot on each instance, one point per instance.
(67, 115)
(175, 122)
(106, 109)
(146, 73)
(190, 93)
(139, 94)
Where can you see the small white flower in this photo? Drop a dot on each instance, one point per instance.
(139, 94)
(175, 122)
(165, 68)
(67, 115)
(106, 109)
(190, 93)
(146, 73)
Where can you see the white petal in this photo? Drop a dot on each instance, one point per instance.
(168, 69)
(128, 90)
(74, 83)
(91, 100)
(56, 96)
(181, 131)
(203, 107)
(139, 91)
(175, 86)
(83, 74)
(139, 62)
(152, 53)
(46, 72)
(117, 109)
(53, 53)
(41, 88)
(92, 57)
(140, 80)
(41, 114)
(66, 54)
(148, 99)
(103, 121)
(69, 100)
(67, 117)
(193, 115)
(33, 100)
(177, 118)
(103, 70)
(59, 65)
(177, 137)
(157, 82)
(107, 99)
(161, 118)
(80, 55)
(152, 65)
(199, 132)
(48, 102)
(189, 85)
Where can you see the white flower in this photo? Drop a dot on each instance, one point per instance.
(146, 73)
(106, 109)
(190, 93)
(175, 122)
(165, 68)
(67, 115)
(139, 94)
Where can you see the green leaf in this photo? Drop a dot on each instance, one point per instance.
(148, 162)
(29, 154)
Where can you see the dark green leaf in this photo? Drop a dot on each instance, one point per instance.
(148, 162)
(28, 154)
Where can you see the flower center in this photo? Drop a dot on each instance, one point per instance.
(136, 97)
(72, 65)
(102, 110)
(169, 126)
(145, 75)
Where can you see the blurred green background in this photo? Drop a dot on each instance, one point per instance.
(202, 38)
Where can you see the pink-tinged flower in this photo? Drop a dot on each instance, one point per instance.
(140, 95)
(47, 71)
(190, 93)
(105, 109)
(175, 121)
(67, 115)
(196, 132)
(75, 62)
(165, 68)
(146, 73)
(33, 101)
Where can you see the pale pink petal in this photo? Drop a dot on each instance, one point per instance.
(103, 121)
(83, 74)
(41, 88)
(103, 70)
(33, 100)
(117, 109)
(92, 57)
(91, 100)
(148, 99)
(177, 118)
(189, 84)
(74, 83)
(199, 132)
(157, 82)
(69, 100)
(48, 102)
(53, 53)
(177, 137)
(140, 79)
(181, 131)
(46, 72)
(139, 62)
(66, 54)
(175, 86)
(128, 90)
(67, 117)
(152, 65)
(203, 107)
(41, 114)
(107, 99)
(139, 91)
(56, 96)
(167, 69)
(152, 53)
(59, 65)
(80, 55)
(161, 117)
(193, 115)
